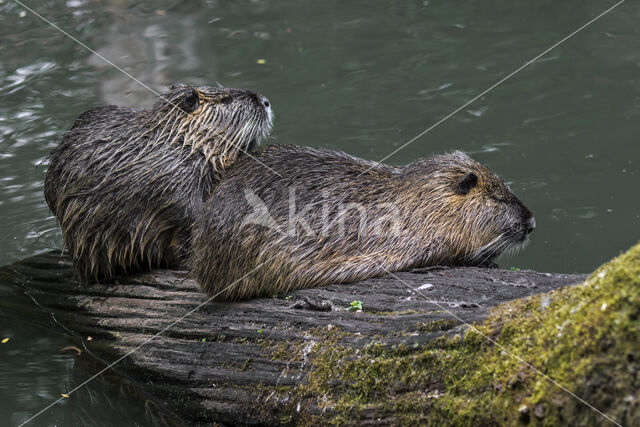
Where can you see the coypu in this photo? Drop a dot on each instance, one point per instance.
(124, 184)
(353, 219)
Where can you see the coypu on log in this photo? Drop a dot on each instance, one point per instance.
(292, 217)
(125, 184)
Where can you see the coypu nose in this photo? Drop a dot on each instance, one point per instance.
(531, 225)
(260, 99)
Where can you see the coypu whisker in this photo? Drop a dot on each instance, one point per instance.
(486, 252)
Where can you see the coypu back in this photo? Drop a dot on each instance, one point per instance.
(125, 184)
(320, 217)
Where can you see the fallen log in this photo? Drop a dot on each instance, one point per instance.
(395, 349)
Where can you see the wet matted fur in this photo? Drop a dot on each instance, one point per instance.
(329, 217)
(125, 184)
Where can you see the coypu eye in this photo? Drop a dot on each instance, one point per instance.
(226, 100)
(467, 183)
(191, 102)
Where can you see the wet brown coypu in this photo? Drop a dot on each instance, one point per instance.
(124, 184)
(329, 217)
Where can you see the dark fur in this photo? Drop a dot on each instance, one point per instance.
(125, 184)
(452, 211)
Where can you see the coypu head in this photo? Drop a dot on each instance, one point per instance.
(223, 123)
(473, 207)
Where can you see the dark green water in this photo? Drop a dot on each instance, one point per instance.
(364, 77)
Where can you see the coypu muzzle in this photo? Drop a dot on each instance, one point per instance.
(513, 234)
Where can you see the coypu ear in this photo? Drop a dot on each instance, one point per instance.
(467, 183)
(190, 101)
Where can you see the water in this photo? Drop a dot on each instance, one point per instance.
(364, 77)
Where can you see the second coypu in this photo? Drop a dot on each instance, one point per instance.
(125, 184)
(329, 217)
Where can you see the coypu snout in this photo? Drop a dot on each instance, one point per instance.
(528, 223)
(261, 100)
(531, 225)
(525, 225)
(523, 221)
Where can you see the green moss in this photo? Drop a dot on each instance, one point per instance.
(437, 325)
(288, 351)
(281, 351)
(584, 337)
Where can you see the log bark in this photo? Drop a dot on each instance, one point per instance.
(189, 361)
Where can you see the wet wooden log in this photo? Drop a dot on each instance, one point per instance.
(192, 361)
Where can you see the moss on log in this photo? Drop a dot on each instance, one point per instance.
(586, 338)
(409, 356)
